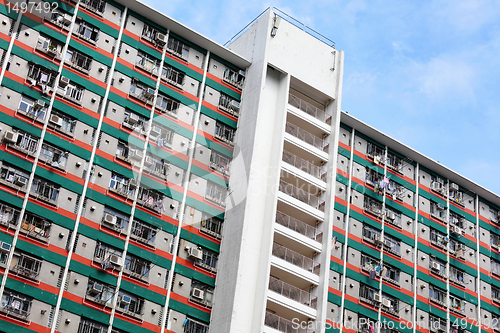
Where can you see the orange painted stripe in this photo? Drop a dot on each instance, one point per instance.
(219, 80)
(215, 108)
(189, 264)
(196, 231)
(343, 145)
(141, 323)
(202, 199)
(186, 300)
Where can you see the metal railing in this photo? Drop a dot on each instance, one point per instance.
(295, 258)
(283, 325)
(306, 166)
(302, 195)
(309, 109)
(306, 136)
(299, 226)
(292, 292)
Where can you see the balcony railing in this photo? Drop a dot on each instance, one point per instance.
(296, 259)
(283, 325)
(306, 166)
(292, 292)
(309, 109)
(302, 195)
(212, 226)
(306, 136)
(299, 226)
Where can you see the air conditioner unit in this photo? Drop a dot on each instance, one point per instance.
(96, 288)
(124, 300)
(390, 215)
(242, 73)
(10, 137)
(456, 229)
(436, 186)
(235, 105)
(377, 298)
(197, 293)
(149, 161)
(436, 266)
(440, 206)
(161, 38)
(133, 118)
(386, 303)
(454, 187)
(20, 181)
(110, 219)
(136, 154)
(56, 120)
(388, 243)
(115, 260)
(379, 239)
(156, 131)
(39, 104)
(64, 81)
(195, 253)
(5, 247)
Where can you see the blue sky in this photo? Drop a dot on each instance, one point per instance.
(424, 72)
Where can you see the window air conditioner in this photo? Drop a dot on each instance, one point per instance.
(386, 303)
(436, 186)
(115, 260)
(456, 229)
(124, 300)
(197, 293)
(377, 298)
(149, 161)
(96, 288)
(39, 104)
(56, 120)
(133, 118)
(64, 81)
(379, 239)
(10, 137)
(20, 181)
(5, 247)
(235, 105)
(436, 266)
(161, 38)
(440, 206)
(110, 219)
(195, 253)
(454, 187)
(390, 215)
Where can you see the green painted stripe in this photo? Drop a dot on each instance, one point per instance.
(431, 280)
(461, 212)
(463, 295)
(218, 116)
(143, 292)
(214, 178)
(224, 62)
(342, 179)
(32, 291)
(29, 56)
(40, 252)
(11, 199)
(336, 267)
(132, 73)
(100, 236)
(43, 29)
(99, 24)
(55, 217)
(121, 135)
(152, 257)
(203, 207)
(16, 161)
(67, 145)
(105, 200)
(201, 241)
(365, 163)
(358, 308)
(6, 238)
(60, 180)
(344, 152)
(84, 82)
(346, 127)
(490, 308)
(340, 207)
(92, 272)
(432, 197)
(84, 311)
(11, 327)
(96, 56)
(7, 12)
(127, 326)
(194, 275)
(428, 222)
(153, 220)
(75, 113)
(111, 166)
(363, 248)
(335, 299)
(188, 310)
(222, 88)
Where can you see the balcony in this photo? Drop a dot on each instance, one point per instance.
(283, 325)
(309, 109)
(151, 199)
(16, 305)
(302, 195)
(293, 293)
(45, 191)
(303, 165)
(14, 178)
(307, 137)
(8, 216)
(22, 142)
(36, 227)
(212, 226)
(27, 267)
(296, 259)
(299, 226)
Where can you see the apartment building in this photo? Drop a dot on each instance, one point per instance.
(153, 180)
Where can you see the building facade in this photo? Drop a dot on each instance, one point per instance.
(153, 180)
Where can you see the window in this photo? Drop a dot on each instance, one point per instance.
(13, 177)
(375, 152)
(373, 177)
(142, 92)
(455, 194)
(137, 267)
(115, 219)
(122, 186)
(224, 133)
(457, 248)
(162, 135)
(392, 245)
(438, 239)
(96, 6)
(209, 260)
(99, 292)
(211, 225)
(173, 75)
(54, 156)
(156, 166)
(167, 104)
(73, 92)
(131, 304)
(90, 326)
(457, 304)
(495, 294)
(437, 266)
(134, 122)
(88, 32)
(147, 63)
(16, 304)
(216, 193)
(201, 293)
(393, 217)
(437, 295)
(26, 143)
(45, 190)
(494, 215)
(8, 215)
(36, 227)
(177, 48)
(67, 125)
(494, 240)
(41, 76)
(107, 256)
(61, 19)
(151, 199)
(437, 324)
(192, 326)
(48, 46)
(372, 206)
(438, 211)
(495, 266)
(371, 234)
(143, 232)
(229, 105)
(27, 107)
(26, 266)
(438, 185)
(149, 33)
(219, 162)
(78, 61)
(394, 162)
(234, 78)
(456, 220)
(457, 276)
(367, 294)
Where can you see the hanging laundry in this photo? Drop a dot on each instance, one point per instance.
(159, 205)
(460, 252)
(185, 322)
(384, 271)
(160, 142)
(371, 328)
(378, 268)
(334, 240)
(376, 187)
(376, 160)
(386, 180)
(373, 274)
(44, 77)
(151, 201)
